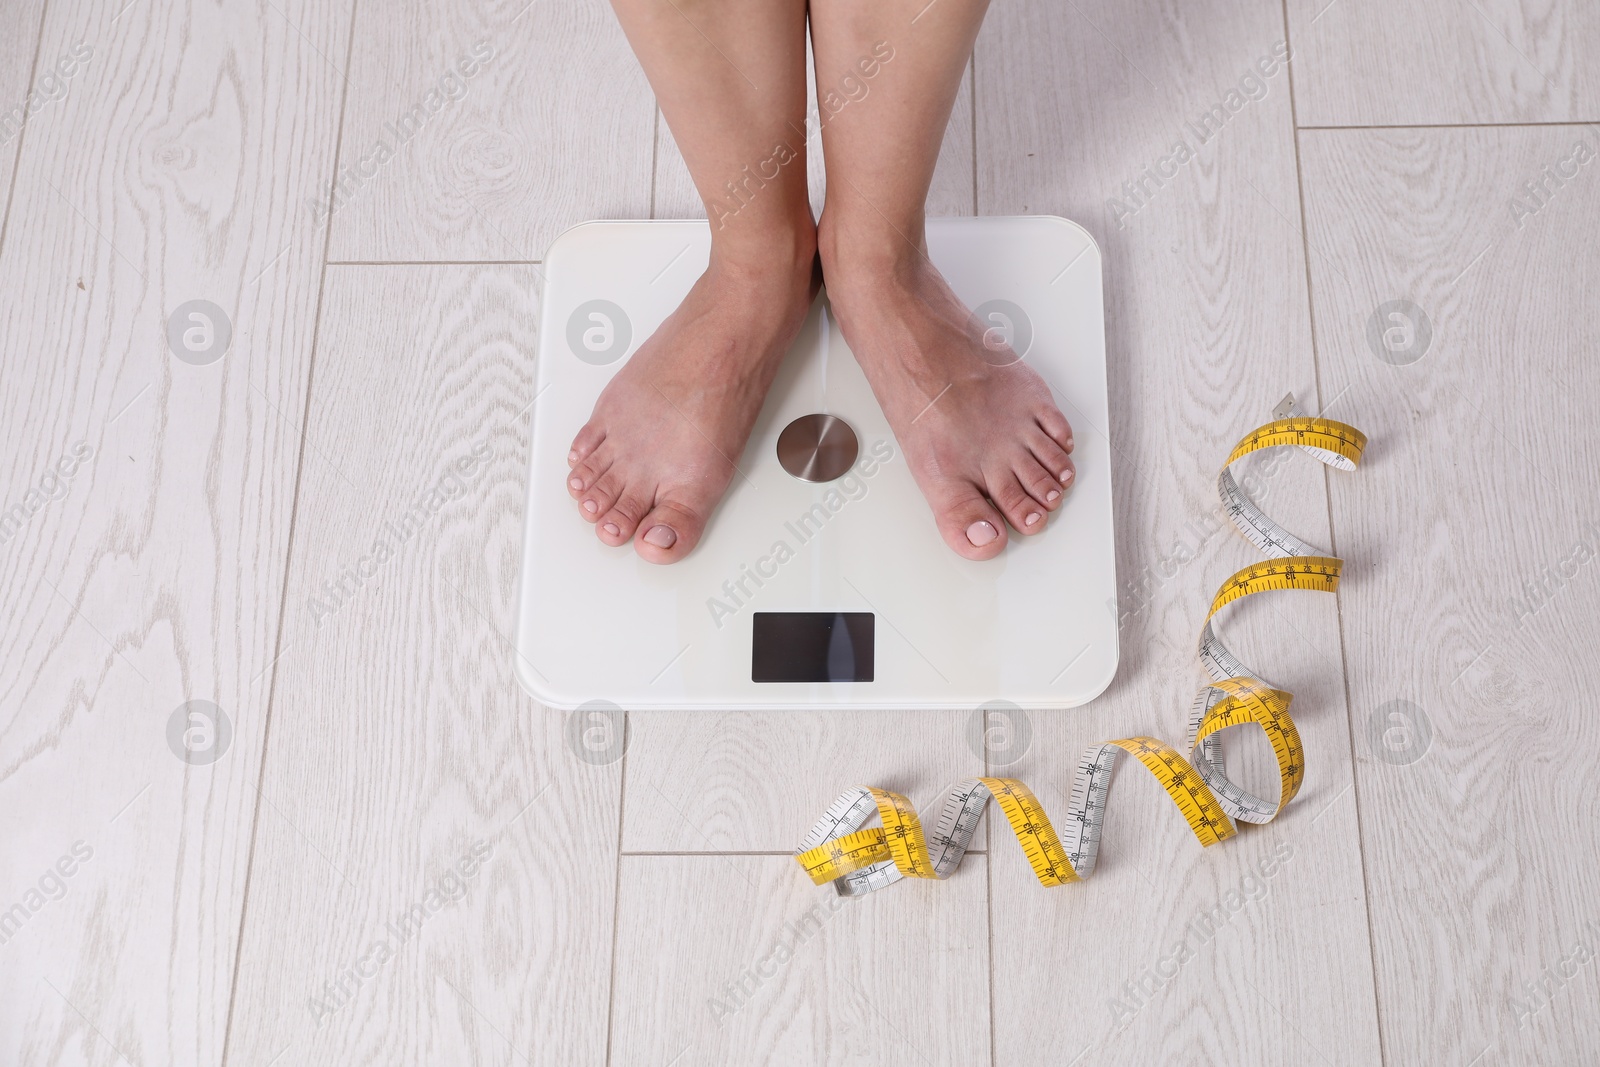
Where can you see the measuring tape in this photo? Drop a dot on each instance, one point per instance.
(859, 861)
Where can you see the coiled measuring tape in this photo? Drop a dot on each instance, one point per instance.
(859, 861)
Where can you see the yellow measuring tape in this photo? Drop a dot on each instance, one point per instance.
(860, 860)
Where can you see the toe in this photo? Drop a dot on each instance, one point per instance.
(1052, 457)
(1055, 424)
(1021, 510)
(969, 523)
(586, 442)
(586, 473)
(599, 497)
(1041, 484)
(669, 532)
(616, 526)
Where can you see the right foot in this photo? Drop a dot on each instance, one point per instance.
(980, 430)
(661, 446)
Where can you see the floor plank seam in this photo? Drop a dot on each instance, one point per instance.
(1460, 125)
(655, 157)
(288, 560)
(988, 771)
(1333, 544)
(616, 884)
(972, 97)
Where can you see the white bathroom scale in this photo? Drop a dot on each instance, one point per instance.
(837, 592)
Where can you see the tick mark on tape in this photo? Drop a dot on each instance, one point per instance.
(861, 861)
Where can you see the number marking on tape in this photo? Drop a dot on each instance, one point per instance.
(862, 860)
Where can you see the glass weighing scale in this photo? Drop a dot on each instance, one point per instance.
(821, 580)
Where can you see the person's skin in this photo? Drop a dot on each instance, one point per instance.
(976, 425)
(659, 450)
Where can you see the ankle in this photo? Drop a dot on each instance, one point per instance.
(784, 250)
(871, 253)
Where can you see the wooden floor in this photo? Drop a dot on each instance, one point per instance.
(395, 857)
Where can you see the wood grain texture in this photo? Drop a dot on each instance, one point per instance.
(22, 19)
(754, 781)
(1476, 599)
(795, 974)
(553, 128)
(385, 765)
(950, 194)
(1207, 327)
(400, 740)
(1363, 62)
(171, 170)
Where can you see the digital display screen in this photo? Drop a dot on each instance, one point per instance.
(811, 646)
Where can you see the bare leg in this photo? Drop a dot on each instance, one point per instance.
(658, 452)
(979, 428)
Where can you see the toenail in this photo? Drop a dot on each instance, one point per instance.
(1033, 518)
(981, 533)
(1069, 444)
(577, 483)
(572, 457)
(612, 528)
(1066, 476)
(661, 536)
(1052, 496)
(590, 506)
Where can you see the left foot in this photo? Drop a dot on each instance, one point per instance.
(980, 431)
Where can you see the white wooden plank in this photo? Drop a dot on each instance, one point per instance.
(24, 94)
(400, 739)
(533, 117)
(754, 781)
(951, 192)
(1476, 811)
(1080, 112)
(1365, 62)
(171, 170)
(795, 974)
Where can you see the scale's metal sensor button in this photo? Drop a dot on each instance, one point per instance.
(817, 448)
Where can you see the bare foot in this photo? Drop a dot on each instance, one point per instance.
(981, 433)
(659, 450)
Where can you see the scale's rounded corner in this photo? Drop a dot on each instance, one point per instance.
(540, 690)
(559, 248)
(575, 235)
(1079, 229)
(1096, 689)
